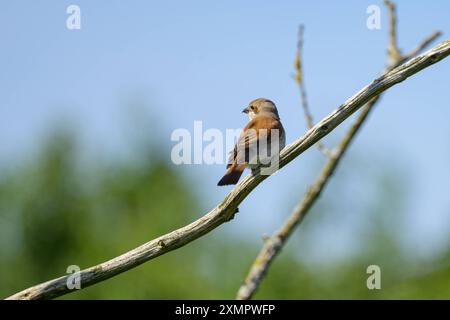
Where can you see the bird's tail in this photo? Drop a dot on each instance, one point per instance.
(232, 175)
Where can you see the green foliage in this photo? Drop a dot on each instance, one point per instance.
(54, 213)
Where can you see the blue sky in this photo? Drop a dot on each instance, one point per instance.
(204, 60)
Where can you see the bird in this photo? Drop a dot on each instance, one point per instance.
(255, 143)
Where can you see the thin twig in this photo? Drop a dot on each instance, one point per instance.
(226, 210)
(300, 79)
(422, 46)
(273, 244)
(394, 52)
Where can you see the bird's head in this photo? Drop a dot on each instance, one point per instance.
(261, 106)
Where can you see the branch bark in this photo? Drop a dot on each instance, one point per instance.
(228, 207)
(273, 244)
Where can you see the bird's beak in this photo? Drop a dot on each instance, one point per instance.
(245, 110)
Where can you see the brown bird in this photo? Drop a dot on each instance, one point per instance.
(263, 135)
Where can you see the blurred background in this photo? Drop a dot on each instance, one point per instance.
(85, 123)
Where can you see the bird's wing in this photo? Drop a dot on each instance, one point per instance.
(247, 141)
(247, 146)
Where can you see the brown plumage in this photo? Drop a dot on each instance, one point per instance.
(255, 141)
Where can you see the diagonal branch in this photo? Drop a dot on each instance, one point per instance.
(273, 244)
(228, 207)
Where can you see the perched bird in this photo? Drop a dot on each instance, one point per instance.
(263, 135)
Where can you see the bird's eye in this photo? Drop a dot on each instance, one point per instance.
(252, 108)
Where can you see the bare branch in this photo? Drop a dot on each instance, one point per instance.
(394, 52)
(300, 79)
(273, 244)
(228, 207)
